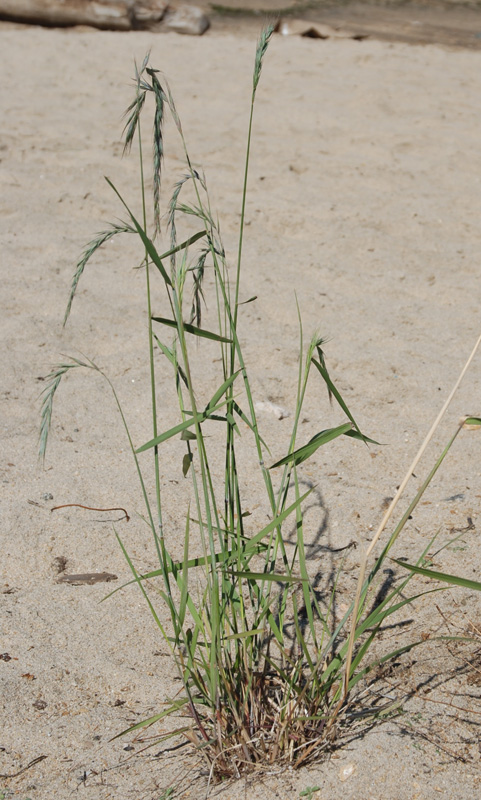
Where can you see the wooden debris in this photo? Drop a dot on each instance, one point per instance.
(87, 578)
(121, 15)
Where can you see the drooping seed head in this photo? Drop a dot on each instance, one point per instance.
(158, 149)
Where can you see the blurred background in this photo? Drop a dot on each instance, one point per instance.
(455, 23)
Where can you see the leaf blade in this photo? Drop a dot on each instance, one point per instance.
(454, 580)
(148, 244)
(321, 438)
(216, 337)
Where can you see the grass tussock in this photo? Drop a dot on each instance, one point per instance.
(253, 695)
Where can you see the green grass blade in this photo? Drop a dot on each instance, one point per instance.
(454, 580)
(183, 245)
(185, 574)
(188, 423)
(401, 650)
(301, 639)
(231, 420)
(186, 463)
(388, 657)
(244, 634)
(176, 567)
(321, 438)
(147, 598)
(244, 418)
(268, 576)
(276, 522)
(384, 610)
(170, 355)
(334, 391)
(221, 392)
(362, 437)
(216, 337)
(176, 706)
(148, 244)
(301, 558)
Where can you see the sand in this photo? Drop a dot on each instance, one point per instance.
(364, 197)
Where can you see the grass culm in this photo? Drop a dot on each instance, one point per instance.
(251, 699)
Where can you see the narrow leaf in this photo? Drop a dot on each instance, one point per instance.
(333, 390)
(176, 706)
(276, 522)
(171, 357)
(268, 576)
(186, 462)
(148, 244)
(185, 572)
(300, 455)
(244, 634)
(221, 391)
(188, 436)
(454, 580)
(358, 435)
(193, 329)
(231, 420)
(183, 245)
(188, 423)
(244, 418)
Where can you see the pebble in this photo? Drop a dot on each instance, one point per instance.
(189, 20)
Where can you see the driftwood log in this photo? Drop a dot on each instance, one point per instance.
(121, 15)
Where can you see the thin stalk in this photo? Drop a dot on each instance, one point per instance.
(388, 515)
(243, 210)
(230, 444)
(302, 381)
(158, 533)
(236, 347)
(208, 494)
(166, 560)
(368, 581)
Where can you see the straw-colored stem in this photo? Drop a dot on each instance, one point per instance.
(387, 516)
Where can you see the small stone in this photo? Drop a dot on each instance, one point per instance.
(60, 564)
(346, 772)
(278, 411)
(190, 20)
(47, 496)
(40, 705)
(147, 12)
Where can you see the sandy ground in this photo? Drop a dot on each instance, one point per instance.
(365, 197)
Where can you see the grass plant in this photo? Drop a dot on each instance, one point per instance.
(250, 698)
